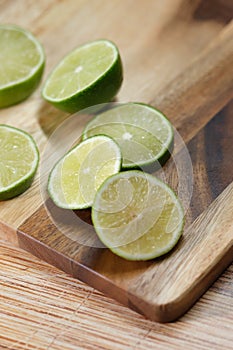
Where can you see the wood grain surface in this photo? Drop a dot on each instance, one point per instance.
(43, 308)
(181, 62)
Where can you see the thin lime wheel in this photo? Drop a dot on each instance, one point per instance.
(22, 62)
(144, 134)
(137, 216)
(76, 177)
(89, 75)
(19, 158)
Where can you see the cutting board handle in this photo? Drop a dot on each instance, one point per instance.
(202, 89)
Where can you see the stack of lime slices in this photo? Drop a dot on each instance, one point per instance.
(136, 215)
(22, 63)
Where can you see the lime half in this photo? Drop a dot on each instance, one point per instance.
(137, 216)
(144, 134)
(19, 159)
(89, 75)
(75, 179)
(22, 62)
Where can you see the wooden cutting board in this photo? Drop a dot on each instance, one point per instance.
(178, 56)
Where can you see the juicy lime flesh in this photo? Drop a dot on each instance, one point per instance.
(137, 216)
(80, 69)
(80, 173)
(18, 56)
(142, 133)
(17, 156)
(136, 144)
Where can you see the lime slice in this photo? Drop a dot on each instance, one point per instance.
(76, 177)
(89, 75)
(144, 134)
(137, 216)
(19, 158)
(22, 63)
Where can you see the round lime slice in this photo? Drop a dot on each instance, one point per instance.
(76, 177)
(22, 63)
(137, 216)
(144, 134)
(89, 75)
(19, 158)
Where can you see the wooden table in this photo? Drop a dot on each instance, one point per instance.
(44, 308)
(167, 62)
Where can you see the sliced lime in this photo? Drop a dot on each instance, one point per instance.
(22, 62)
(75, 179)
(89, 75)
(19, 159)
(144, 134)
(137, 216)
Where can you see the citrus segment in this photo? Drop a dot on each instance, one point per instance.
(19, 159)
(89, 75)
(143, 133)
(22, 62)
(137, 216)
(75, 179)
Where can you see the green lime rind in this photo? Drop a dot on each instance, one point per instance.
(156, 163)
(101, 90)
(105, 120)
(23, 183)
(20, 188)
(14, 94)
(54, 192)
(134, 250)
(18, 91)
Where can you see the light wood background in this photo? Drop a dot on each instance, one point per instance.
(43, 308)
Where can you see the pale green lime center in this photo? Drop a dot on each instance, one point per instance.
(136, 144)
(19, 56)
(137, 216)
(80, 69)
(142, 133)
(80, 173)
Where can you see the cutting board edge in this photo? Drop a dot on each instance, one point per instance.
(8, 233)
(173, 310)
(163, 313)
